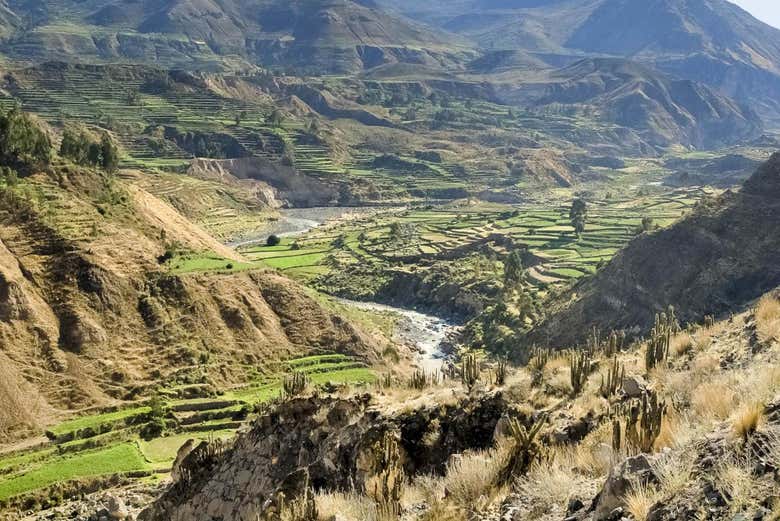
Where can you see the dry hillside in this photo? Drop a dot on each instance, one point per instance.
(89, 316)
(704, 444)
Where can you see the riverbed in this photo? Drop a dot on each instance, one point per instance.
(425, 332)
(297, 221)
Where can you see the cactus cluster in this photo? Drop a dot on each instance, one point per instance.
(501, 371)
(294, 384)
(614, 380)
(579, 364)
(420, 380)
(615, 343)
(643, 421)
(537, 362)
(386, 477)
(469, 371)
(709, 321)
(301, 508)
(657, 350)
(526, 450)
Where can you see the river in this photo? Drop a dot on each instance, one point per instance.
(425, 332)
(296, 221)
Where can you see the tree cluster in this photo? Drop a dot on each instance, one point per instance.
(83, 149)
(22, 140)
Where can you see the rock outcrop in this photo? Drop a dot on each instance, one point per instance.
(321, 442)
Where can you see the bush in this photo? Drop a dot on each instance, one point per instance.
(273, 240)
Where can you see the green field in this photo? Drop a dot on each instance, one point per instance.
(452, 231)
(119, 449)
(124, 457)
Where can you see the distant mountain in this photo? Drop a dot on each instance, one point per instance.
(312, 36)
(720, 257)
(712, 41)
(662, 110)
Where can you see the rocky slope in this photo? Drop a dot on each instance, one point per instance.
(661, 110)
(442, 452)
(89, 315)
(713, 261)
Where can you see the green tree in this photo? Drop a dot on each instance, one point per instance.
(578, 215)
(109, 154)
(276, 118)
(22, 139)
(513, 270)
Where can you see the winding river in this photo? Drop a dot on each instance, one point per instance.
(425, 332)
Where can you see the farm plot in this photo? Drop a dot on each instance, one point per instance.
(109, 443)
(448, 232)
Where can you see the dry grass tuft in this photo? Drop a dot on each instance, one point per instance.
(681, 344)
(674, 471)
(640, 500)
(714, 400)
(470, 478)
(738, 485)
(348, 505)
(748, 419)
(768, 319)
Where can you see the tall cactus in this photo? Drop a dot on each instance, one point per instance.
(501, 371)
(386, 477)
(537, 362)
(615, 376)
(660, 338)
(294, 384)
(579, 363)
(469, 371)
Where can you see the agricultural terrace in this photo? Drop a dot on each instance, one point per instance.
(410, 237)
(111, 443)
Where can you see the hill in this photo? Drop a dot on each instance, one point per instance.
(712, 41)
(662, 110)
(334, 36)
(107, 293)
(712, 262)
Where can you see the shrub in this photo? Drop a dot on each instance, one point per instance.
(273, 240)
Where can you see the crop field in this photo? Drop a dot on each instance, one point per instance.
(109, 443)
(451, 231)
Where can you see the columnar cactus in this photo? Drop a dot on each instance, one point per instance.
(469, 371)
(294, 384)
(614, 380)
(385, 482)
(579, 363)
(501, 371)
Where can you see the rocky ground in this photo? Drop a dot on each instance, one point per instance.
(529, 448)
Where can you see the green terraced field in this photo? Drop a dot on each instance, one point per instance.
(124, 457)
(120, 450)
(445, 231)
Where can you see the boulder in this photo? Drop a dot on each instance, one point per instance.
(622, 478)
(634, 386)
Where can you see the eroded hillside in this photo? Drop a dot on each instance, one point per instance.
(91, 317)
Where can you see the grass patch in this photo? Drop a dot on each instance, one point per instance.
(120, 458)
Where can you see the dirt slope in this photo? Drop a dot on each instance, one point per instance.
(88, 316)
